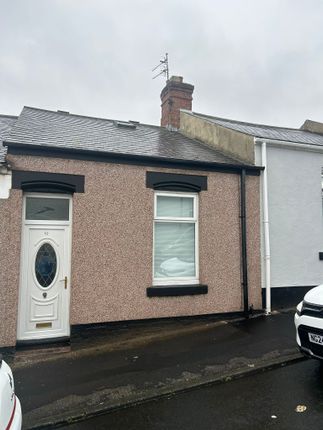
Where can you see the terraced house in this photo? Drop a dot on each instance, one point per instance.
(105, 220)
(291, 197)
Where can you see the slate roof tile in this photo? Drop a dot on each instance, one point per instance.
(293, 135)
(62, 130)
(6, 123)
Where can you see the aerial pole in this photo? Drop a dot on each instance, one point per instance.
(162, 67)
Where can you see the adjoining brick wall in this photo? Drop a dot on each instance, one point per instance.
(176, 95)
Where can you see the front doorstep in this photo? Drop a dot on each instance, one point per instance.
(53, 340)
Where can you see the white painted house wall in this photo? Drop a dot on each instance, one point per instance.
(295, 215)
(5, 182)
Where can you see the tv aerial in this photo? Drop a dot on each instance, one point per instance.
(162, 68)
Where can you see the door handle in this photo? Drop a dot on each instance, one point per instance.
(65, 282)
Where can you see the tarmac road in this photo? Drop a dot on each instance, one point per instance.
(265, 401)
(109, 368)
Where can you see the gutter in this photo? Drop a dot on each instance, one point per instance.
(290, 145)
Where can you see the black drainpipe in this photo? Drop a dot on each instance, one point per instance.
(244, 242)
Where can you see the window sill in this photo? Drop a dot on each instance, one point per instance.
(176, 290)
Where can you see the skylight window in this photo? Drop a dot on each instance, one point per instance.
(125, 124)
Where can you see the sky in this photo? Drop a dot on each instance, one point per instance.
(249, 60)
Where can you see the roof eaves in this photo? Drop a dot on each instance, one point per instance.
(28, 149)
(281, 142)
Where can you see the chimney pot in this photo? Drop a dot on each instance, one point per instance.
(176, 78)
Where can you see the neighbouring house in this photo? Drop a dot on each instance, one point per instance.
(6, 123)
(105, 220)
(291, 196)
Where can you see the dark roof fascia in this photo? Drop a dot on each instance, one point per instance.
(140, 160)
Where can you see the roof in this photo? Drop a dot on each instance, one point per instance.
(293, 135)
(59, 130)
(6, 123)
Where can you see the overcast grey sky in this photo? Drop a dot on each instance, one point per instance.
(253, 60)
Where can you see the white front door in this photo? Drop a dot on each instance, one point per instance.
(45, 267)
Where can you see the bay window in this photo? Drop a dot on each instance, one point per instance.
(175, 257)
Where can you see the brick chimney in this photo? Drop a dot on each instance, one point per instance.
(175, 95)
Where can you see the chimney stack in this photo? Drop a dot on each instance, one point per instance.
(175, 95)
(313, 126)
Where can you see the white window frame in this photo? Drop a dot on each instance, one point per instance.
(51, 196)
(187, 280)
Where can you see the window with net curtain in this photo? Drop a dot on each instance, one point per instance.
(175, 238)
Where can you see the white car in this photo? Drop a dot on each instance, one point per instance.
(10, 409)
(309, 323)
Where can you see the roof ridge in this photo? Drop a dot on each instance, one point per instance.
(245, 122)
(66, 113)
(3, 115)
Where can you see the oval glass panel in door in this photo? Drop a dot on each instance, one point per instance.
(46, 265)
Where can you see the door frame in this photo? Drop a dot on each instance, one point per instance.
(24, 262)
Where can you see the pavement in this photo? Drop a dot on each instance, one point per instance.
(112, 368)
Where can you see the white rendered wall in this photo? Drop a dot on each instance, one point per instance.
(5, 183)
(295, 216)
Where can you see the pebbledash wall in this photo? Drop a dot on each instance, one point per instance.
(10, 232)
(112, 240)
